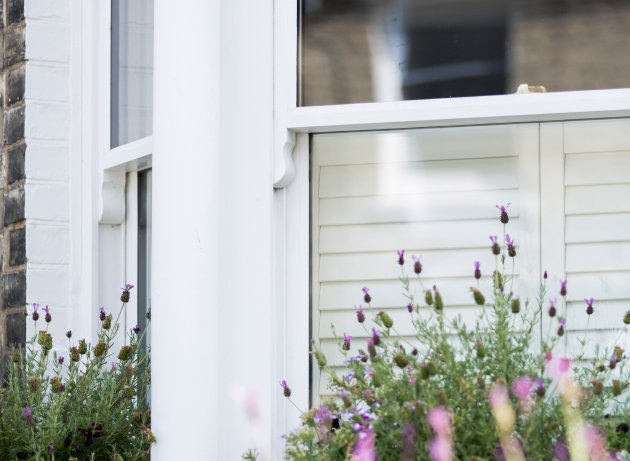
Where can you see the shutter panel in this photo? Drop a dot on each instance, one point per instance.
(595, 163)
(431, 192)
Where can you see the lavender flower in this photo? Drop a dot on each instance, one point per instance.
(47, 317)
(477, 273)
(589, 305)
(417, 265)
(496, 249)
(69, 334)
(137, 329)
(521, 387)
(410, 307)
(563, 323)
(376, 339)
(510, 246)
(545, 275)
(35, 315)
(28, 416)
(539, 386)
(614, 359)
(552, 308)
(60, 360)
(124, 297)
(401, 257)
(365, 448)
(360, 314)
(366, 296)
(101, 313)
(563, 287)
(346, 342)
(504, 216)
(285, 388)
(561, 451)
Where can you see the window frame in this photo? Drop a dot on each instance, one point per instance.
(292, 127)
(118, 170)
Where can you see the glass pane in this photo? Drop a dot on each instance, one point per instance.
(132, 71)
(390, 50)
(144, 250)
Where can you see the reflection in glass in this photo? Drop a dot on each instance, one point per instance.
(390, 50)
(131, 71)
(144, 251)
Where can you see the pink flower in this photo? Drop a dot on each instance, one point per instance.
(440, 420)
(441, 449)
(595, 442)
(365, 449)
(558, 367)
(521, 387)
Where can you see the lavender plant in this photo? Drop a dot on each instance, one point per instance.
(84, 405)
(492, 390)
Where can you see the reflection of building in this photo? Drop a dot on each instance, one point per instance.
(225, 253)
(448, 49)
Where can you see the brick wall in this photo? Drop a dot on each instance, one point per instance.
(12, 176)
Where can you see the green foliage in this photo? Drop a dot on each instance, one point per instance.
(446, 363)
(85, 405)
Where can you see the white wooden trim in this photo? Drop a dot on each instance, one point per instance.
(132, 156)
(552, 216)
(482, 110)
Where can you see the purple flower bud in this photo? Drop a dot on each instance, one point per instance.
(539, 385)
(286, 390)
(504, 216)
(613, 361)
(346, 342)
(102, 314)
(401, 257)
(124, 297)
(360, 315)
(496, 249)
(35, 315)
(552, 308)
(545, 275)
(366, 295)
(47, 317)
(563, 287)
(60, 360)
(510, 246)
(375, 337)
(477, 270)
(417, 265)
(136, 329)
(69, 334)
(410, 307)
(563, 322)
(28, 416)
(589, 305)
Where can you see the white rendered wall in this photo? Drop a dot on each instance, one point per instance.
(48, 160)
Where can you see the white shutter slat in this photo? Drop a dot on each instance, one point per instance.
(598, 228)
(598, 199)
(382, 265)
(423, 236)
(597, 135)
(415, 207)
(597, 168)
(388, 293)
(595, 257)
(418, 177)
(416, 145)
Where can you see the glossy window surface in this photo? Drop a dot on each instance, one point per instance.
(131, 71)
(355, 51)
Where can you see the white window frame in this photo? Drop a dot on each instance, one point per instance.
(294, 124)
(110, 176)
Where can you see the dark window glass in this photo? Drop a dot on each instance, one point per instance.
(389, 50)
(131, 71)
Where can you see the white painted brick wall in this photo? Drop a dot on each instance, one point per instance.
(48, 170)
